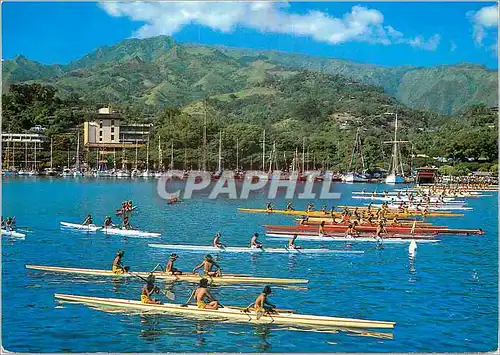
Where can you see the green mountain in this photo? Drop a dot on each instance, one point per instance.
(158, 72)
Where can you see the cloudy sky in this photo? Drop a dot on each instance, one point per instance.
(380, 33)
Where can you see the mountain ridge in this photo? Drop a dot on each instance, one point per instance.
(195, 70)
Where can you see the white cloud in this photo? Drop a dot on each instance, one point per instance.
(361, 24)
(485, 25)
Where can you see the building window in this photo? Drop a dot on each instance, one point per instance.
(100, 133)
(100, 139)
(112, 122)
(112, 129)
(112, 137)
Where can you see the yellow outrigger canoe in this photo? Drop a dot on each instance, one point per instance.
(322, 214)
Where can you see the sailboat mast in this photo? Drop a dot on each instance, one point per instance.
(237, 155)
(303, 152)
(147, 156)
(123, 157)
(114, 158)
(13, 155)
(219, 169)
(136, 154)
(263, 150)
(35, 157)
(395, 163)
(77, 150)
(160, 158)
(204, 163)
(26, 155)
(51, 153)
(172, 157)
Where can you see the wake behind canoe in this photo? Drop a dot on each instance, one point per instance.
(202, 249)
(225, 279)
(237, 314)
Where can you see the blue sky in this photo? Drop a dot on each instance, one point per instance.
(391, 34)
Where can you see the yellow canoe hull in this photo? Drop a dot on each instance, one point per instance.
(225, 279)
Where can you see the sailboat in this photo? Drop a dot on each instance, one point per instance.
(159, 172)
(135, 172)
(396, 175)
(123, 172)
(77, 172)
(146, 174)
(354, 175)
(50, 171)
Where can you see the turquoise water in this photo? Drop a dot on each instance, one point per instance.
(445, 300)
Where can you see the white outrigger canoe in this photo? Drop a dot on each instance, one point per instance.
(202, 249)
(13, 233)
(86, 227)
(237, 314)
(130, 233)
(160, 275)
(318, 238)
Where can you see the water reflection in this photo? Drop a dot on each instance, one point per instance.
(292, 262)
(152, 330)
(262, 331)
(200, 330)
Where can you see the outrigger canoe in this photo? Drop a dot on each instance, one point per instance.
(323, 214)
(237, 314)
(87, 227)
(224, 279)
(13, 234)
(202, 249)
(130, 233)
(330, 238)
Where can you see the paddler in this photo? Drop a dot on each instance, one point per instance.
(323, 209)
(169, 268)
(254, 243)
(261, 302)
(380, 229)
(126, 223)
(289, 206)
(207, 264)
(304, 221)
(129, 205)
(9, 224)
(351, 231)
(322, 228)
(269, 207)
(118, 267)
(395, 221)
(88, 221)
(310, 207)
(291, 243)
(148, 289)
(108, 222)
(204, 300)
(216, 242)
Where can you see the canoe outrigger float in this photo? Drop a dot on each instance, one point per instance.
(224, 279)
(322, 214)
(237, 314)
